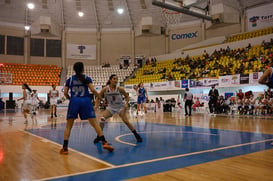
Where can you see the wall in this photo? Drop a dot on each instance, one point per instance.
(225, 30)
(113, 45)
(150, 45)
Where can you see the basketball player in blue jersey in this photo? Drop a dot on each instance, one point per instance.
(80, 104)
(113, 95)
(142, 95)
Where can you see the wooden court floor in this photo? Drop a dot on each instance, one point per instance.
(24, 156)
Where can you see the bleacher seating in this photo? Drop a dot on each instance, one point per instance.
(252, 34)
(33, 74)
(223, 62)
(100, 75)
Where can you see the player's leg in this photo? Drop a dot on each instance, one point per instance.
(105, 115)
(67, 131)
(124, 118)
(100, 136)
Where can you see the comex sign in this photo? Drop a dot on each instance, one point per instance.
(184, 35)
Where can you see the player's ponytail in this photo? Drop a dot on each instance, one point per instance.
(78, 68)
(27, 87)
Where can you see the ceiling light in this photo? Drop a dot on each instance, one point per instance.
(80, 14)
(27, 27)
(120, 10)
(30, 6)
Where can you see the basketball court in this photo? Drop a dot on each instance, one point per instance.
(171, 141)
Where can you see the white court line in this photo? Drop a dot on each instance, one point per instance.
(164, 158)
(83, 154)
(132, 144)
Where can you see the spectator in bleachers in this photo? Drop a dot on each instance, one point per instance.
(197, 104)
(170, 77)
(268, 92)
(162, 70)
(240, 95)
(163, 76)
(147, 61)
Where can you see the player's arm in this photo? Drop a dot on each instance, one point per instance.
(101, 94)
(66, 92)
(93, 90)
(39, 99)
(146, 92)
(137, 93)
(265, 76)
(124, 93)
(49, 93)
(24, 96)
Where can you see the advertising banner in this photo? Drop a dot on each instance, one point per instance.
(260, 17)
(244, 79)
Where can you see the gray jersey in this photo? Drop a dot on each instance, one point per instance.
(114, 98)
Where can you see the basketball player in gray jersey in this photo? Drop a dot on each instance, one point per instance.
(114, 97)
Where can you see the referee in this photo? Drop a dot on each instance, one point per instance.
(188, 98)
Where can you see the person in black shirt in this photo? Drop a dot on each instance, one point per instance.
(213, 94)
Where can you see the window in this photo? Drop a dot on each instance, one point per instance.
(2, 44)
(37, 47)
(53, 48)
(15, 45)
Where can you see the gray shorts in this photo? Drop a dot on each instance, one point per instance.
(114, 110)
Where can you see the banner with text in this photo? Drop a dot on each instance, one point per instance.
(260, 17)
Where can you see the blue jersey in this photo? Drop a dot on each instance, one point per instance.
(80, 102)
(141, 92)
(77, 87)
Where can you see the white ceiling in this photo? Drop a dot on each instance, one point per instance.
(100, 13)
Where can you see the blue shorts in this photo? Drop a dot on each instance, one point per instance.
(81, 106)
(141, 100)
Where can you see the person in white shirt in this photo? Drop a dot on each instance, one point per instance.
(27, 104)
(35, 101)
(53, 94)
(188, 101)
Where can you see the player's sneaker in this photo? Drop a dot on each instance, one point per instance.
(64, 151)
(96, 140)
(139, 139)
(107, 147)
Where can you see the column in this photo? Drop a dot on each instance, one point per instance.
(133, 47)
(203, 29)
(63, 64)
(27, 48)
(98, 48)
